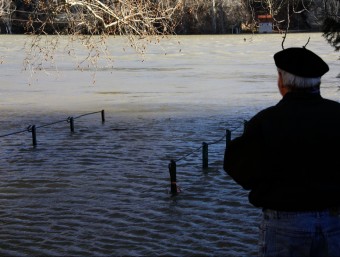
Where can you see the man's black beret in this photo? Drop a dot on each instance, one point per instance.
(301, 62)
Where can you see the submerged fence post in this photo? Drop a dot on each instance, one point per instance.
(103, 116)
(34, 135)
(72, 124)
(205, 155)
(172, 170)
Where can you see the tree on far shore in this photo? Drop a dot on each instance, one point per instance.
(90, 22)
(331, 23)
(301, 15)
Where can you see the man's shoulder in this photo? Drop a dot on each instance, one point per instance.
(266, 111)
(331, 102)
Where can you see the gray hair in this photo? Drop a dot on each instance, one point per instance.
(293, 81)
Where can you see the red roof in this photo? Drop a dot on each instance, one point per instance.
(264, 16)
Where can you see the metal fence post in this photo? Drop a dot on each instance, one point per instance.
(34, 135)
(103, 116)
(72, 124)
(205, 155)
(172, 170)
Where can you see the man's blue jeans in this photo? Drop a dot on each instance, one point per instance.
(300, 233)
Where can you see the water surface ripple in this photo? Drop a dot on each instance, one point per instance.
(104, 190)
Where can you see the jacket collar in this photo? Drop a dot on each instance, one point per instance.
(301, 96)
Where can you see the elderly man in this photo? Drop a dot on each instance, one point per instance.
(289, 159)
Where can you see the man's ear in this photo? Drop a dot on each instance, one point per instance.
(279, 79)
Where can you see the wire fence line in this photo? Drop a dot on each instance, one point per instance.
(207, 144)
(86, 114)
(52, 123)
(68, 120)
(174, 188)
(17, 132)
(188, 154)
(172, 165)
(201, 147)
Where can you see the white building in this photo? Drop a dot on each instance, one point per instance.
(265, 23)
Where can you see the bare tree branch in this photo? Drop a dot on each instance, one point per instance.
(91, 22)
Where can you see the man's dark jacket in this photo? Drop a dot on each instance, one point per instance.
(289, 155)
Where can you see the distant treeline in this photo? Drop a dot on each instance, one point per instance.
(194, 17)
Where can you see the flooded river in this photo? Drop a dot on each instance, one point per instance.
(103, 190)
